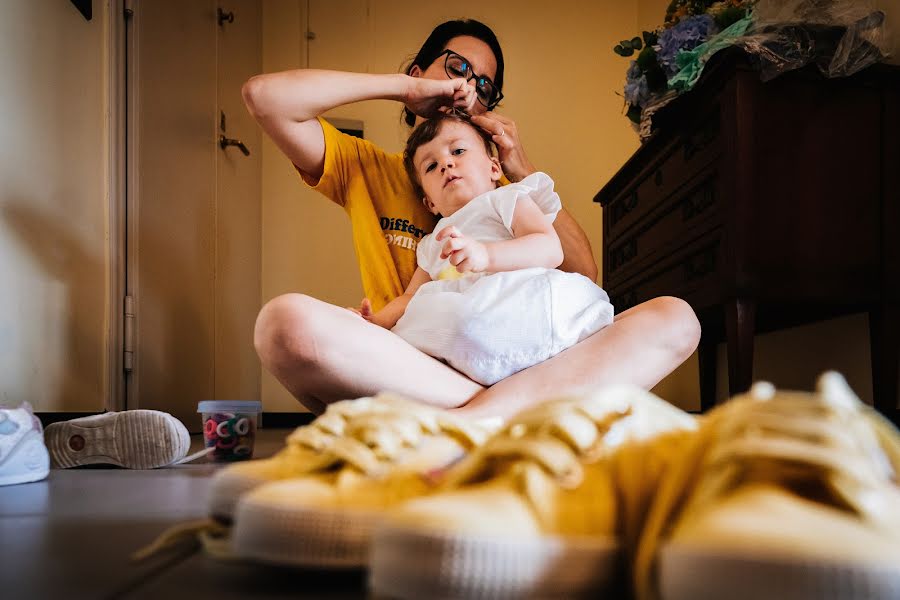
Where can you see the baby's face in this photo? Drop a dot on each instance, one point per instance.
(454, 167)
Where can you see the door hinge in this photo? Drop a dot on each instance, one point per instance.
(128, 357)
(128, 9)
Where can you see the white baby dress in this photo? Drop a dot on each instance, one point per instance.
(491, 325)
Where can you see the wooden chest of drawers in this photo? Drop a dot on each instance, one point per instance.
(766, 205)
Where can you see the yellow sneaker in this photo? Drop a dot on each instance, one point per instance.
(325, 518)
(304, 445)
(545, 508)
(779, 495)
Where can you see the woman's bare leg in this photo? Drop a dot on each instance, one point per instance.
(643, 345)
(323, 353)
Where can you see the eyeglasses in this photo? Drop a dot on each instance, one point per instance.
(485, 89)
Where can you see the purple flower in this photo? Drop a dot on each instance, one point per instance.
(634, 71)
(687, 34)
(637, 92)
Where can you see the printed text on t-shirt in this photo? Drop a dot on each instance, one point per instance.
(403, 226)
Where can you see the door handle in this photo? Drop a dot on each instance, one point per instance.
(224, 142)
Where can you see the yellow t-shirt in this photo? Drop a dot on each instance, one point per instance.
(388, 219)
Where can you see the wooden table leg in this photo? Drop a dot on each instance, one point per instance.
(884, 338)
(740, 325)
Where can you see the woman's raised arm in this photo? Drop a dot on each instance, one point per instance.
(286, 104)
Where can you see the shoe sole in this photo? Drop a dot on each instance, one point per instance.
(135, 439)
(315, 538)
(696, 575)
(26, 462)
(407, 563)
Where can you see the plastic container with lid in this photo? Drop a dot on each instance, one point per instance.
(229, 428)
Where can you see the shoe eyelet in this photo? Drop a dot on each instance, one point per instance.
(517, 430)
(571, 478)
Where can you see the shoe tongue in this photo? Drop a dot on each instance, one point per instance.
(557, 434)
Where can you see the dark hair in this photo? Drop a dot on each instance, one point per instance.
(437, 43)
(427, 131)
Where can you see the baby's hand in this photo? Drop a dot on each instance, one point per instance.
(364, 310)
(466, 254)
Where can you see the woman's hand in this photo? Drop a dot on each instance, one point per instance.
(424, 97)
(464, 253)
(505, 135)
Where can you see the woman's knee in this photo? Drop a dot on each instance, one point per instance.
(679, 326)
(286, 329)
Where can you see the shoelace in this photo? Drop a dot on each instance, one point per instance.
(372, 441)
(324, 429)
(828, 448)
(557, 436)
(796, 440)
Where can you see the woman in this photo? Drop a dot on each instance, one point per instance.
(323, 353)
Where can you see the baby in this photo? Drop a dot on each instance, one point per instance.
(487, 297)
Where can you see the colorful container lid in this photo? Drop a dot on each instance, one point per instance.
(235, 406)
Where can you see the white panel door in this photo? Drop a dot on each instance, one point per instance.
(238, 285)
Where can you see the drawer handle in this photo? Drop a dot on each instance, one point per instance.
(624, 253)
(620, 209)
(704, 137)
(700, 265)
(632, 202)
(699, 201)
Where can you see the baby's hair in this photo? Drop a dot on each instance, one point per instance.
(427, 131)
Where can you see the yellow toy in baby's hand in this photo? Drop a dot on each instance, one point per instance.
(450, 273)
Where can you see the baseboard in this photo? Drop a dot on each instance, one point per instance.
(286, 420)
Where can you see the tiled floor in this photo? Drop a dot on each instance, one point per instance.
(72, 535)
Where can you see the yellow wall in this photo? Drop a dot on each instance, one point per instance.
(562, 88)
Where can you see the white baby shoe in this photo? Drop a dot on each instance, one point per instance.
(133, 439)
(23, 456)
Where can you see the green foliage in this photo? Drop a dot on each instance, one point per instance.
(628, 47)
(687, 7)
(725, 14)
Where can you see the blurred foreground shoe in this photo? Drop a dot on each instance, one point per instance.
(304, 445)
(546, 508)
(782, 495)
(23, 456)
(395, 451)
(133, 439)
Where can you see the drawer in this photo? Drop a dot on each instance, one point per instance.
(693, 275)
(678, 164)
(690, 213)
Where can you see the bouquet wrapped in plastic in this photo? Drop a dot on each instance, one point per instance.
(840, 37)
